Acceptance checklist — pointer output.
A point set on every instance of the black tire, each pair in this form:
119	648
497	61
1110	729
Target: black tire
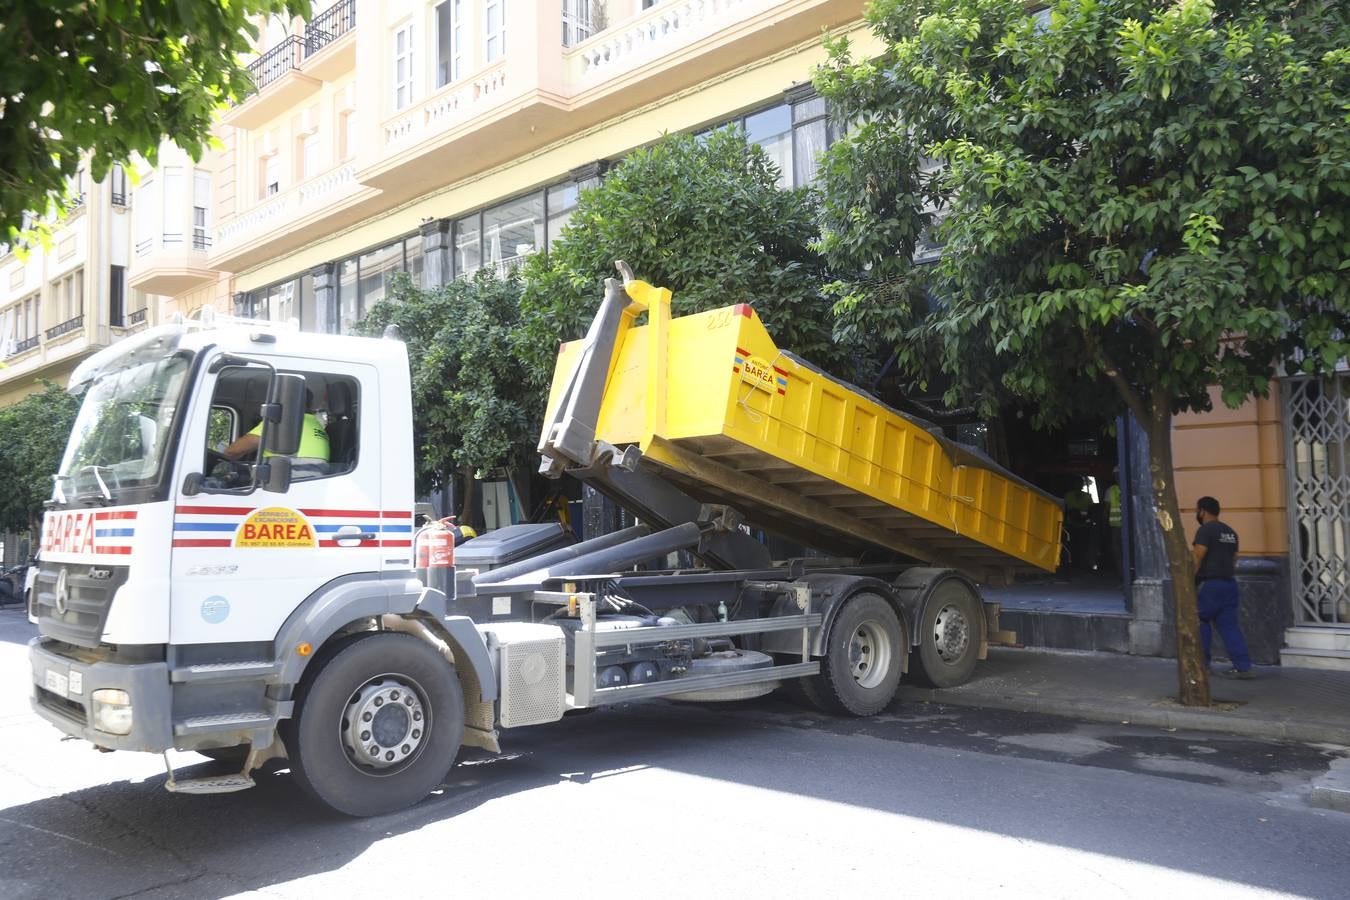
949	632
323	758
842	687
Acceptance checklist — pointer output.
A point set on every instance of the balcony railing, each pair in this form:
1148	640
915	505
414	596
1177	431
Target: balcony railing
136	317
275	63
65	327
27	343
201	242
119	198
329	25
143	247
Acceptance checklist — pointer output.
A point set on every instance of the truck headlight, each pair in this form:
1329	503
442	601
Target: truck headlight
112	711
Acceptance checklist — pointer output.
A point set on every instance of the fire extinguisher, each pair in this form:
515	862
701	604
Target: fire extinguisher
434	555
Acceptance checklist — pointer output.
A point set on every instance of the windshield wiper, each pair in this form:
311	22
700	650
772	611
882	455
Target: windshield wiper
102	486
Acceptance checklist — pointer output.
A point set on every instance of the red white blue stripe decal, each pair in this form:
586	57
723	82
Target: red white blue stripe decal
216	526
113	531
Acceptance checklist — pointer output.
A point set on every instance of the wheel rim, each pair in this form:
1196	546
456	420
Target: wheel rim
869	654
385	724
951	634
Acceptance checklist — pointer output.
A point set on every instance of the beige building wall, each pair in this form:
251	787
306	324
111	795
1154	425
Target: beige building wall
362	135
1237	457
61	302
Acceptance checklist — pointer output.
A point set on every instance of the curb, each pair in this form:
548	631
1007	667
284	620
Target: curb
1134	714
1332	790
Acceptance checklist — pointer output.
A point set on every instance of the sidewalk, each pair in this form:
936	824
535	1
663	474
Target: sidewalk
1280	703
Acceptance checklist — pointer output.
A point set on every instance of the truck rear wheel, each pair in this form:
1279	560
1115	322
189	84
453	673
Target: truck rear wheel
378	726
861	669
949	633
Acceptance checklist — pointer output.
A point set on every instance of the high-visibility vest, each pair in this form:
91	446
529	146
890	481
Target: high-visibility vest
1113	510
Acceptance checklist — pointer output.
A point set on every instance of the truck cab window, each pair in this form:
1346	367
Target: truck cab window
328	444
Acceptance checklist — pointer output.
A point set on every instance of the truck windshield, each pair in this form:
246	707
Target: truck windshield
123	431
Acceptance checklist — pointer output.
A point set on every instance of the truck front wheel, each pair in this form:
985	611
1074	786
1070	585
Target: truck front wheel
378	726
861	669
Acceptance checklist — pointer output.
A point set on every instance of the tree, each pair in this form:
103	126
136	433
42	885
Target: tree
704	216
472	410
34	433
1138	200
109	80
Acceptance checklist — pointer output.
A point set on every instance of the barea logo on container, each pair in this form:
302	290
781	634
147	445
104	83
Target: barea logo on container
275	526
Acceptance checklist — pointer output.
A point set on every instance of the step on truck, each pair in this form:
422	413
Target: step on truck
277	606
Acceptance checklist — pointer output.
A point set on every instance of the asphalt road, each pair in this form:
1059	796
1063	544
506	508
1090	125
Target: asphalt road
759	799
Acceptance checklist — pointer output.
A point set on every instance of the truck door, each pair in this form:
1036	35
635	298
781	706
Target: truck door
242	558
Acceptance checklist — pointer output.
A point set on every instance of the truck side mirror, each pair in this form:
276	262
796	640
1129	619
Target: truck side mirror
285	415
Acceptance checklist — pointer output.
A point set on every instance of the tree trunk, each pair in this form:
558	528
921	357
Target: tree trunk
1192	673
470	490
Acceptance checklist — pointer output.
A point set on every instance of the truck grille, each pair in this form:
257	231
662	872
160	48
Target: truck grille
89	593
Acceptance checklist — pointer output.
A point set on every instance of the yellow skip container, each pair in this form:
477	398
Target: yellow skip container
723	412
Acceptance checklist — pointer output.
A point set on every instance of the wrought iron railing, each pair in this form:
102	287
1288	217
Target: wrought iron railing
329	25
201	242
172	239
65	327
119	198
27	343
143	247
136	317
275	63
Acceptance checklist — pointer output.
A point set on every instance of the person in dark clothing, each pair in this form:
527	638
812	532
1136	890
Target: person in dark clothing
1215	548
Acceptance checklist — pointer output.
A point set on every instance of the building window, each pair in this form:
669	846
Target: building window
812	134
308	157
117	185
449	42
403	66
494	21
578	24
793	135
117	295
365	279
201	202
19	326
562	202
772	130
271	176
68	293
468	246
172	195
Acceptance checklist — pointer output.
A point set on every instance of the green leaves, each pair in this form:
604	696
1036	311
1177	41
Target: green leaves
472	405
1160	191
110	80
704	216
33	433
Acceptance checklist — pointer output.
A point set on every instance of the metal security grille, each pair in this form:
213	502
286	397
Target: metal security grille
1317	444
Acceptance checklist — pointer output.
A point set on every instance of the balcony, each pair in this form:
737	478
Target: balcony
278	85
65	327
546	89
330	42
296	68
135	317
24	345
171	265
289	220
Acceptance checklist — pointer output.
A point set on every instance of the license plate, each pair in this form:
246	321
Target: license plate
57	683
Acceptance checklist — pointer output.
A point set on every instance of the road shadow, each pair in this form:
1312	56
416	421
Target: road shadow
105	841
